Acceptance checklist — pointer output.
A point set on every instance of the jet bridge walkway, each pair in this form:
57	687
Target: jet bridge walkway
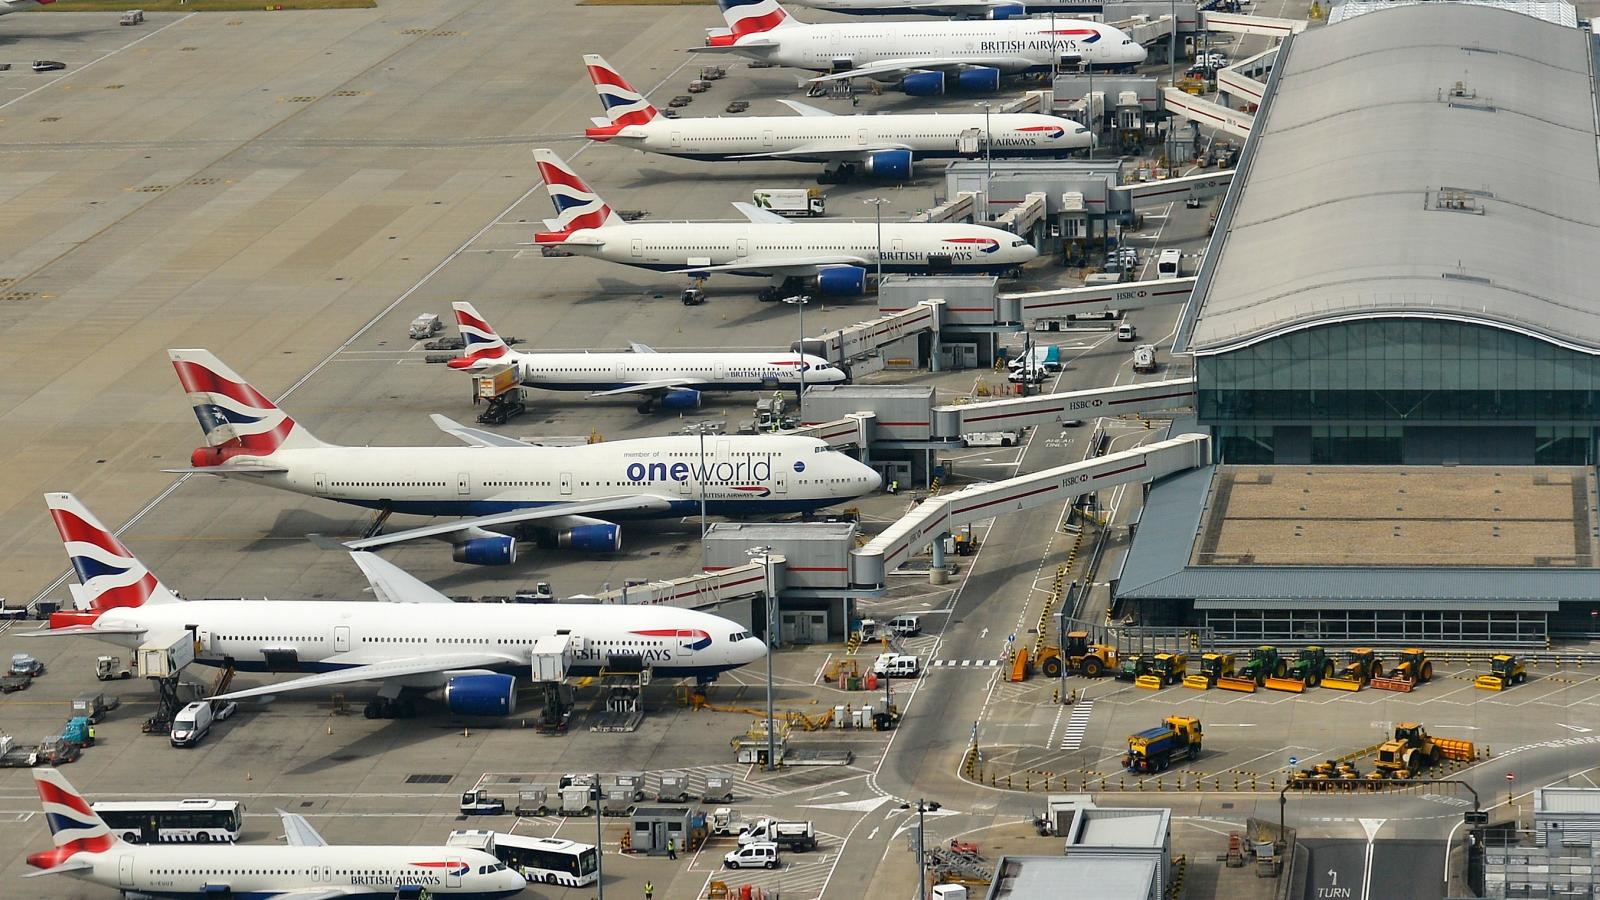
1005	415
1035	305
871	565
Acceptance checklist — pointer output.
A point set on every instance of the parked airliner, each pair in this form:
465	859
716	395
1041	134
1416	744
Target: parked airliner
836	254
918	55
970	9
305	867
884	146
413	639
511	489
674	379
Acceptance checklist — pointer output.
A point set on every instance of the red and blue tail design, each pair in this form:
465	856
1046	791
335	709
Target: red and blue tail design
624	106
236	418
695	638
74	825
483	345
108	572
1083	35
577	207
746	17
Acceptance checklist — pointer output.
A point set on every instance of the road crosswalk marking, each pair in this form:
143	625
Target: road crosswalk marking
1072	737
965	663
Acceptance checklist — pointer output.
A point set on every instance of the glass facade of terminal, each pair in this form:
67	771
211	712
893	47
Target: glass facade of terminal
1402	391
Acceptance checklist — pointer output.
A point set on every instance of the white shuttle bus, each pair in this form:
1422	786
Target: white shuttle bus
1169	264
173	821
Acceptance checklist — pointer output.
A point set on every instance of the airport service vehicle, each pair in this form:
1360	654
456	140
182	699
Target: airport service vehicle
763	855
1153	750
1144	358
895	665
923	58
26	665
791	202
798	837
992	438
881	146
132	17
414	640
539	860
424	326
835	254
1126	332
1505	670
725	820
48	65
192	723
305	866
1046	358
1264	663
479	803
1169	264
194	821
674	380
1413	750
1360	667
11	6
507	488
110	668
906	625
1213	666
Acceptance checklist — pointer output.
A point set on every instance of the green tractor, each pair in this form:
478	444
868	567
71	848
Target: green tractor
1264	663
1135	666
1311	666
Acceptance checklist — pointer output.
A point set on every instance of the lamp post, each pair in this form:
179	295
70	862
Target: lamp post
765	553
1172	45
599	842
1094	127
704	525
922	807
877	214
988	160
799	302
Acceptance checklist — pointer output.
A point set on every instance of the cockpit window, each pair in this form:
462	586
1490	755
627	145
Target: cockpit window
1018	243
738	636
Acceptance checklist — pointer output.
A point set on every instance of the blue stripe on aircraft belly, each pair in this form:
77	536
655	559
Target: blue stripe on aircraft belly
684	507
577	669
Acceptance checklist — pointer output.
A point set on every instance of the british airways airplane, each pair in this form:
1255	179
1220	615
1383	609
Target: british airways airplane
11	6
511	489
884	146
414	641
305	867
836	254
970	9
922	57
675	379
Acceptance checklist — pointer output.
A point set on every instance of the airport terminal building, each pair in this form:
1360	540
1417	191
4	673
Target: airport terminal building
1404	273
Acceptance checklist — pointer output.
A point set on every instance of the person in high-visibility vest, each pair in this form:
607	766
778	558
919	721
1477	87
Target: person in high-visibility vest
649	890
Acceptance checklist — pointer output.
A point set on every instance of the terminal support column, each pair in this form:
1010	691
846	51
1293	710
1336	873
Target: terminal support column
937	574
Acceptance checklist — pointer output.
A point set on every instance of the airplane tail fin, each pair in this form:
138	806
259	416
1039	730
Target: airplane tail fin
237	419
74	825
577	206
483	344
109	575
746	17
623	105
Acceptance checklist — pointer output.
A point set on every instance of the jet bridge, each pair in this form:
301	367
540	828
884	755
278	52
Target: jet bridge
1151	193
1207	113
1239	23
870	566
1025	215
699	591
1005	415
962	207
1247	78
1099	298
865	338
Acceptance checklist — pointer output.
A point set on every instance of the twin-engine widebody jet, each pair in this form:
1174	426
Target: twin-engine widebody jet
966	9
836	254
881	146
412	640
675	380
304	867
922	57
508	489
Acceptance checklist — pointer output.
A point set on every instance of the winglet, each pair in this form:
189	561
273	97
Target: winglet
297	832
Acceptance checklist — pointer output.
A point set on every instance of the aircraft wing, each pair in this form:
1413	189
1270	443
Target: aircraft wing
231	467
805	109
637	347
648	387
621	503
779	267
380	671
760	216
392	584
91	630
835	149
475	437
327	893
926	63
298	832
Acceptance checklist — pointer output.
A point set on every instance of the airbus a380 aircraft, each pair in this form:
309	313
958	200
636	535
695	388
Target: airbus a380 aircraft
979	9
413	639
836	254
305	867
884	146
674	379
918	55
512	489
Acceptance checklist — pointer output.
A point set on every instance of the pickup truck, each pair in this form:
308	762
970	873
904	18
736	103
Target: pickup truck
798	837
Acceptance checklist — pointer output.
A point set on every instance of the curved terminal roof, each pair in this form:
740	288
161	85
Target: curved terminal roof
1435	159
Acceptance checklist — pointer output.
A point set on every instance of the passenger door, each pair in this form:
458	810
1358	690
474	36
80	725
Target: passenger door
638	248
463	483
341	639
743	248
452	871
125	871
566	483
321	483
686	642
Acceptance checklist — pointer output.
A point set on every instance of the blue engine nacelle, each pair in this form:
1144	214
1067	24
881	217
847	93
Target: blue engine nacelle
979	80
599	538
1007	11
487	551
923	84
842	281
481	695
680	398
891	165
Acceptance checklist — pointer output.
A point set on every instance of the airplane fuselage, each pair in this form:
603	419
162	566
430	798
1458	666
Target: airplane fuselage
837	137
1012	47
697	371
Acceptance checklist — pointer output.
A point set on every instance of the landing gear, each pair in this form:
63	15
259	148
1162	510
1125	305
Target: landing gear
378	522
844	173
385	708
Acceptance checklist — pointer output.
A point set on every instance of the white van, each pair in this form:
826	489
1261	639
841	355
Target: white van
192	723
895	665
1126	332
763	855
906	625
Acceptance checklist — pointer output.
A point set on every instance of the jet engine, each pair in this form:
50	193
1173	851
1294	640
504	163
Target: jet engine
979	79
923	84
601	537
892	165
483	694
681	398
497	550
842	281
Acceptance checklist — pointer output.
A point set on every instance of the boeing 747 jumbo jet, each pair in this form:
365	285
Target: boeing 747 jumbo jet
304	867
836	254
511	489
673	379
412	640
883	146
918	55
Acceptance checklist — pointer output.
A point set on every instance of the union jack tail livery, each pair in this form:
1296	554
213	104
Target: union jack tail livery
237	419
108	572
624	106
746	17
73	823
577	207
483	345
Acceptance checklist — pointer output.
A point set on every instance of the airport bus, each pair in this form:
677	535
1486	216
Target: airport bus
173	821
1169	264
547	860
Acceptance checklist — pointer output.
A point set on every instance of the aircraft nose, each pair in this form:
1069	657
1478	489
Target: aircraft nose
874	480
1027	252
751	649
